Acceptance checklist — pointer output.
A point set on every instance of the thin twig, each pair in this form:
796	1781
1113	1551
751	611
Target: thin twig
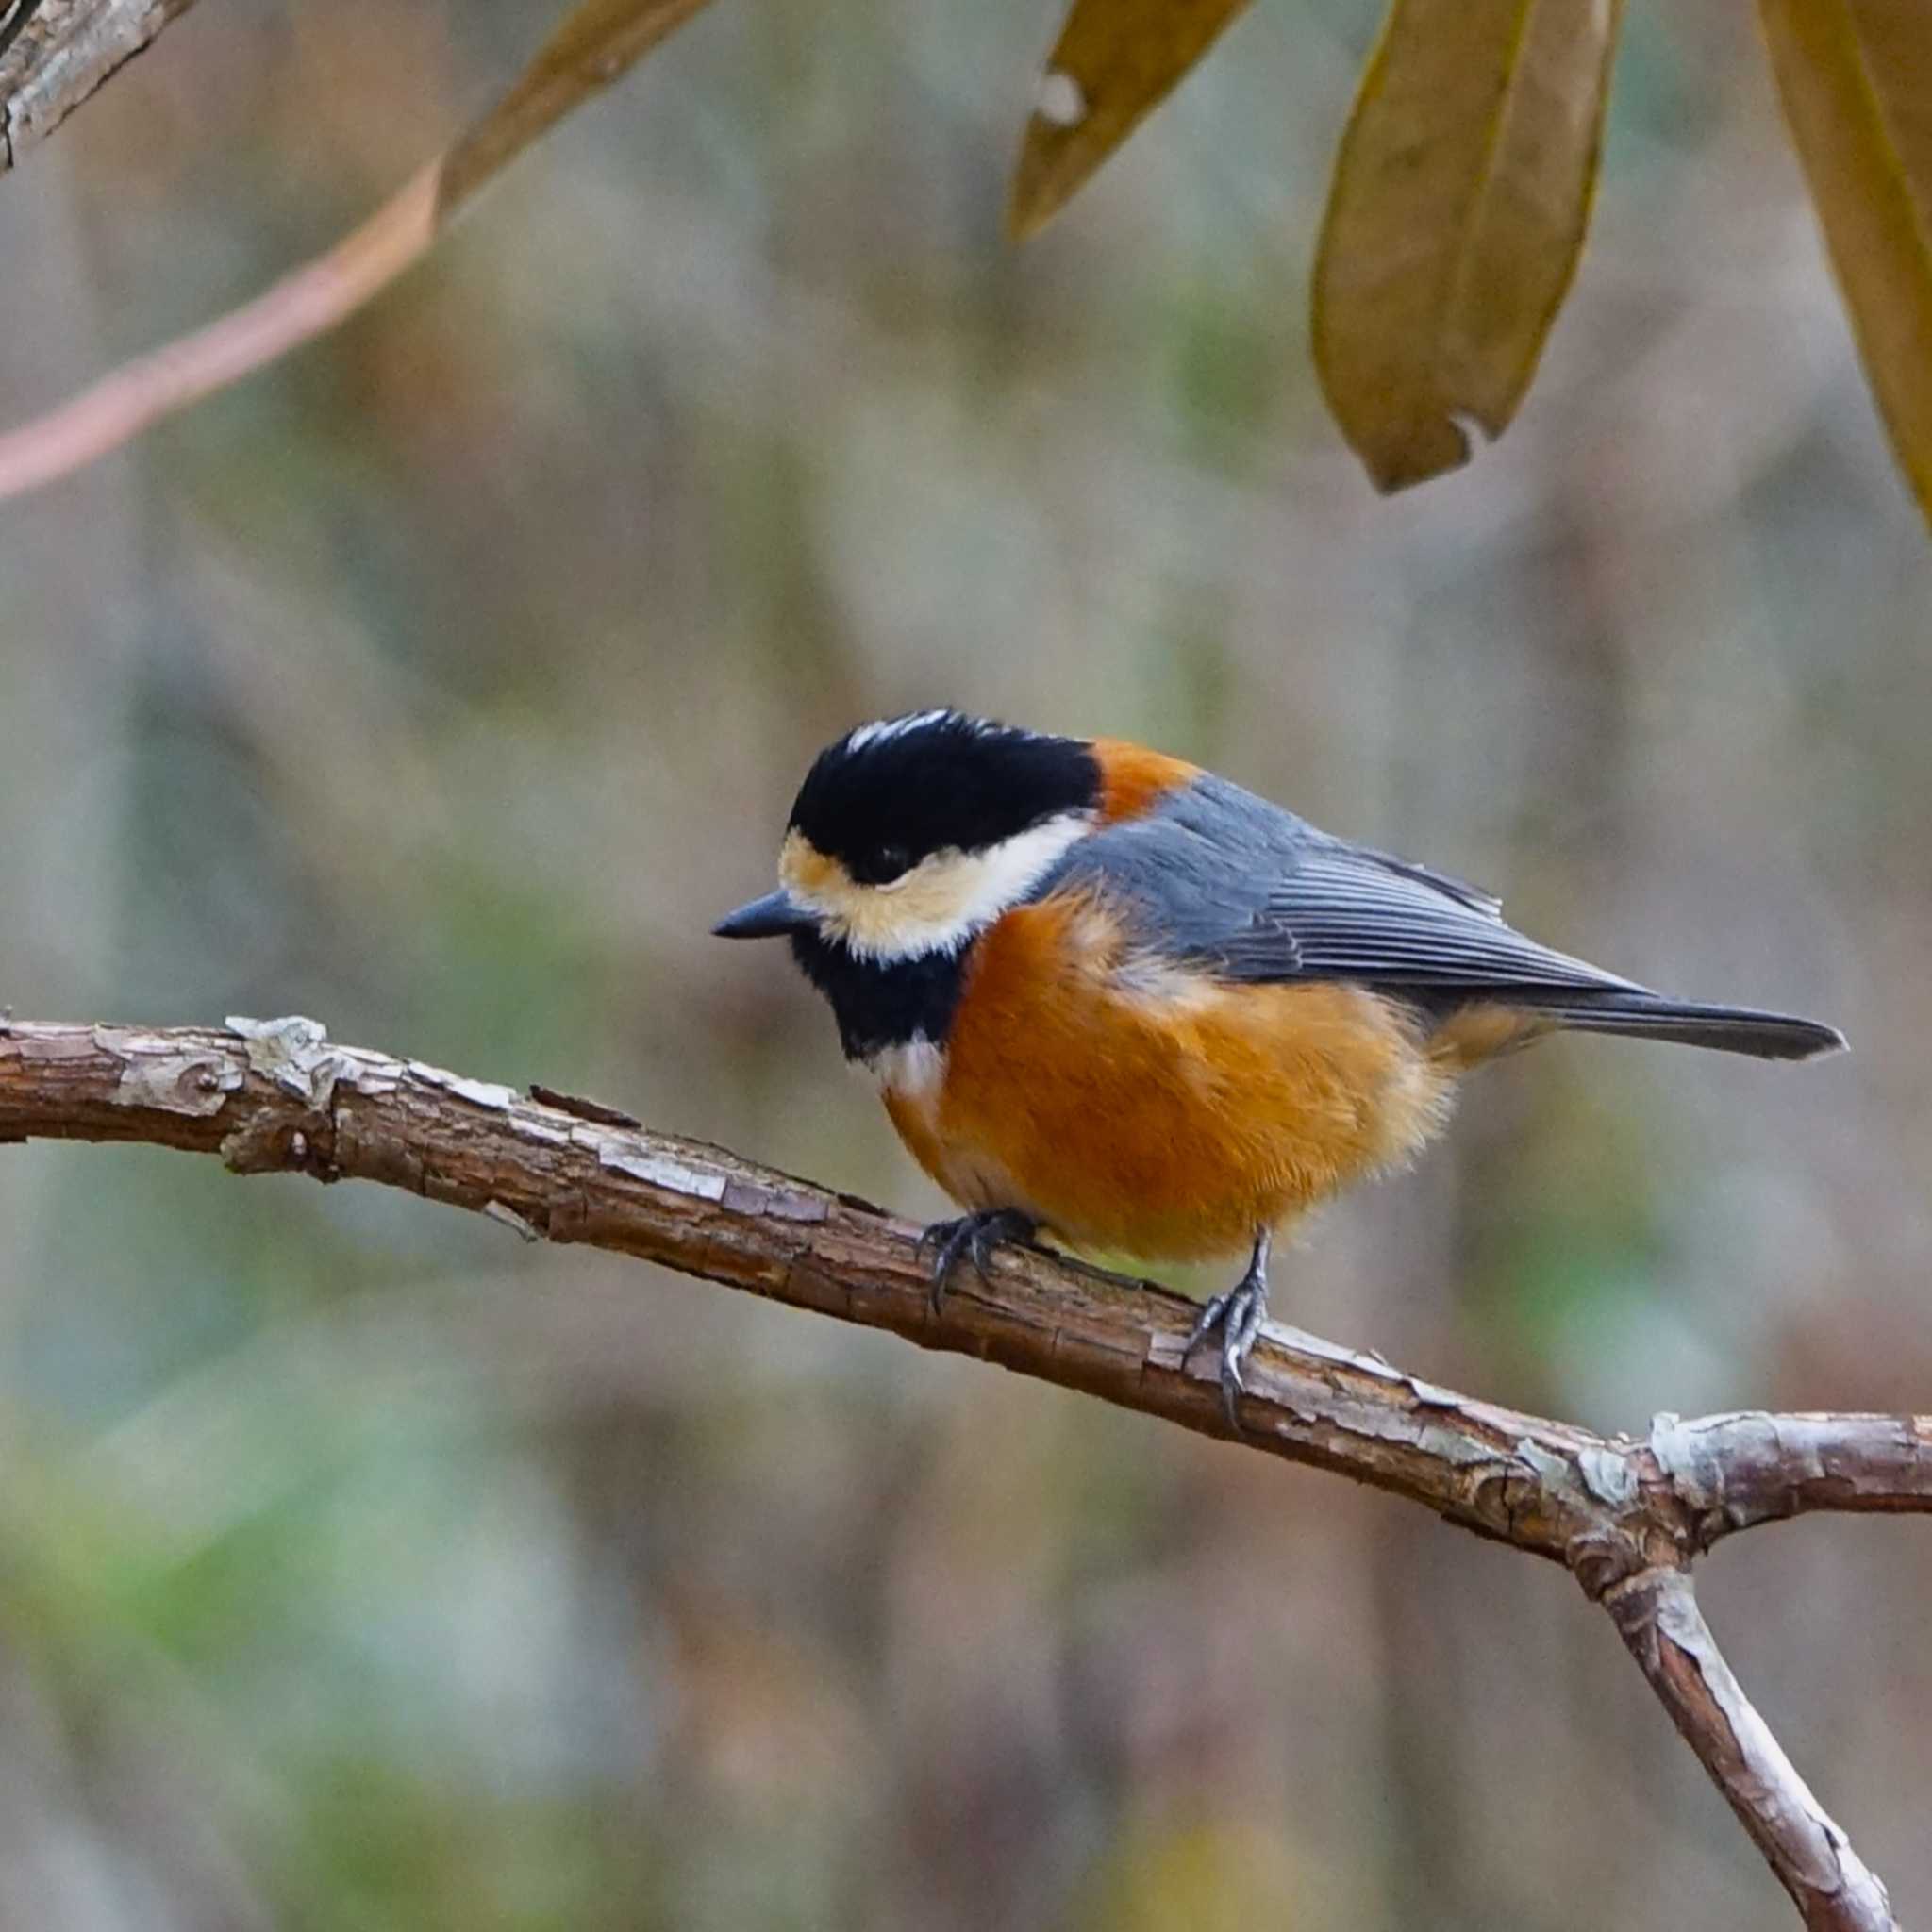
1624	1515
595	44
143	390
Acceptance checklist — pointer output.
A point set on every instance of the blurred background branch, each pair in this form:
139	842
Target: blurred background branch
275	1096
598	42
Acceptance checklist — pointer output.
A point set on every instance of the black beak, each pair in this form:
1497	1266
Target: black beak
769	918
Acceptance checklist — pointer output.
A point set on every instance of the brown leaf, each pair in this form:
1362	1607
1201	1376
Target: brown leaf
1112	64
1857	80
598	42
1458	211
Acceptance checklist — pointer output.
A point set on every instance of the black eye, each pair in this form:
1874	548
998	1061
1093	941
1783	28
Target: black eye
882	865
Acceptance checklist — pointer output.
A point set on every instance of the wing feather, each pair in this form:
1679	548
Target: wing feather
1220	877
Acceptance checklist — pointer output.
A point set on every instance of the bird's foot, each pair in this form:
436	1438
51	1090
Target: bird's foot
973	1235
1237	1312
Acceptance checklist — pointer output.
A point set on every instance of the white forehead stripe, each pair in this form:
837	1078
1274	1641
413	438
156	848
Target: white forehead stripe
884	728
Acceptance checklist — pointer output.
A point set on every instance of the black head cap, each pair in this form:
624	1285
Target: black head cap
889	794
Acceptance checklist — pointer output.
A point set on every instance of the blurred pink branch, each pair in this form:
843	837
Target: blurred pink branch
596	44
1625	1516
302	304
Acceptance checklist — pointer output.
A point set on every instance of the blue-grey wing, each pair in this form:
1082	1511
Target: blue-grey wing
1222	878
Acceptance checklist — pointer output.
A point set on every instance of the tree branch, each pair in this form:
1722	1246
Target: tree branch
1657	1615
1625	1516
54	53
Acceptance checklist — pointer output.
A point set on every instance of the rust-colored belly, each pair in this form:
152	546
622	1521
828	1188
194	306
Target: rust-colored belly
1133	1105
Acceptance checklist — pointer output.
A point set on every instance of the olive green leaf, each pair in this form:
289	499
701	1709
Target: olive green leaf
1113	62
1455	221
1857	80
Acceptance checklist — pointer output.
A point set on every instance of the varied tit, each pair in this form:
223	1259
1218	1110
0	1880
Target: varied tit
1110	996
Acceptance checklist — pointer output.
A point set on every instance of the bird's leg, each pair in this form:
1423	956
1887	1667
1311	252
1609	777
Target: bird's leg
1237	1312
975	1235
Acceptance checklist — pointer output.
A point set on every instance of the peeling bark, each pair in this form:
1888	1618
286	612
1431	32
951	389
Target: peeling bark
54	53
1659	1619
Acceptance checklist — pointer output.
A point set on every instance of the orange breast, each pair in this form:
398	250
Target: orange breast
1136	1107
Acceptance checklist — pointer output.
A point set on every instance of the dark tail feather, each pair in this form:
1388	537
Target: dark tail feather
1726	1029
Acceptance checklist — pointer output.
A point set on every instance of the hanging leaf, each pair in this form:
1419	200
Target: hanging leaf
1458	211
1857	80
1114	62
598	42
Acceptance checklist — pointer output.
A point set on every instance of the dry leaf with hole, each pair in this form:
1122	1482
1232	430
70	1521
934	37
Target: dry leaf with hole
598	42
1113	62
1857	80
1455	221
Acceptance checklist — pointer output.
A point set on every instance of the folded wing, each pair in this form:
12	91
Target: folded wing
1223	879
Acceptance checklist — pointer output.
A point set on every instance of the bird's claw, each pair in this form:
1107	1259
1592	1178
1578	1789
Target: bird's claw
1237	1312
973	1235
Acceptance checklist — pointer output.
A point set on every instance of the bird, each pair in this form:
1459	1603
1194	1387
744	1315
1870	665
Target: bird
1114	999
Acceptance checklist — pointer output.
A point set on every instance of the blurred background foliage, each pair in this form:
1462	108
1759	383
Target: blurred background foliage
363	1569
